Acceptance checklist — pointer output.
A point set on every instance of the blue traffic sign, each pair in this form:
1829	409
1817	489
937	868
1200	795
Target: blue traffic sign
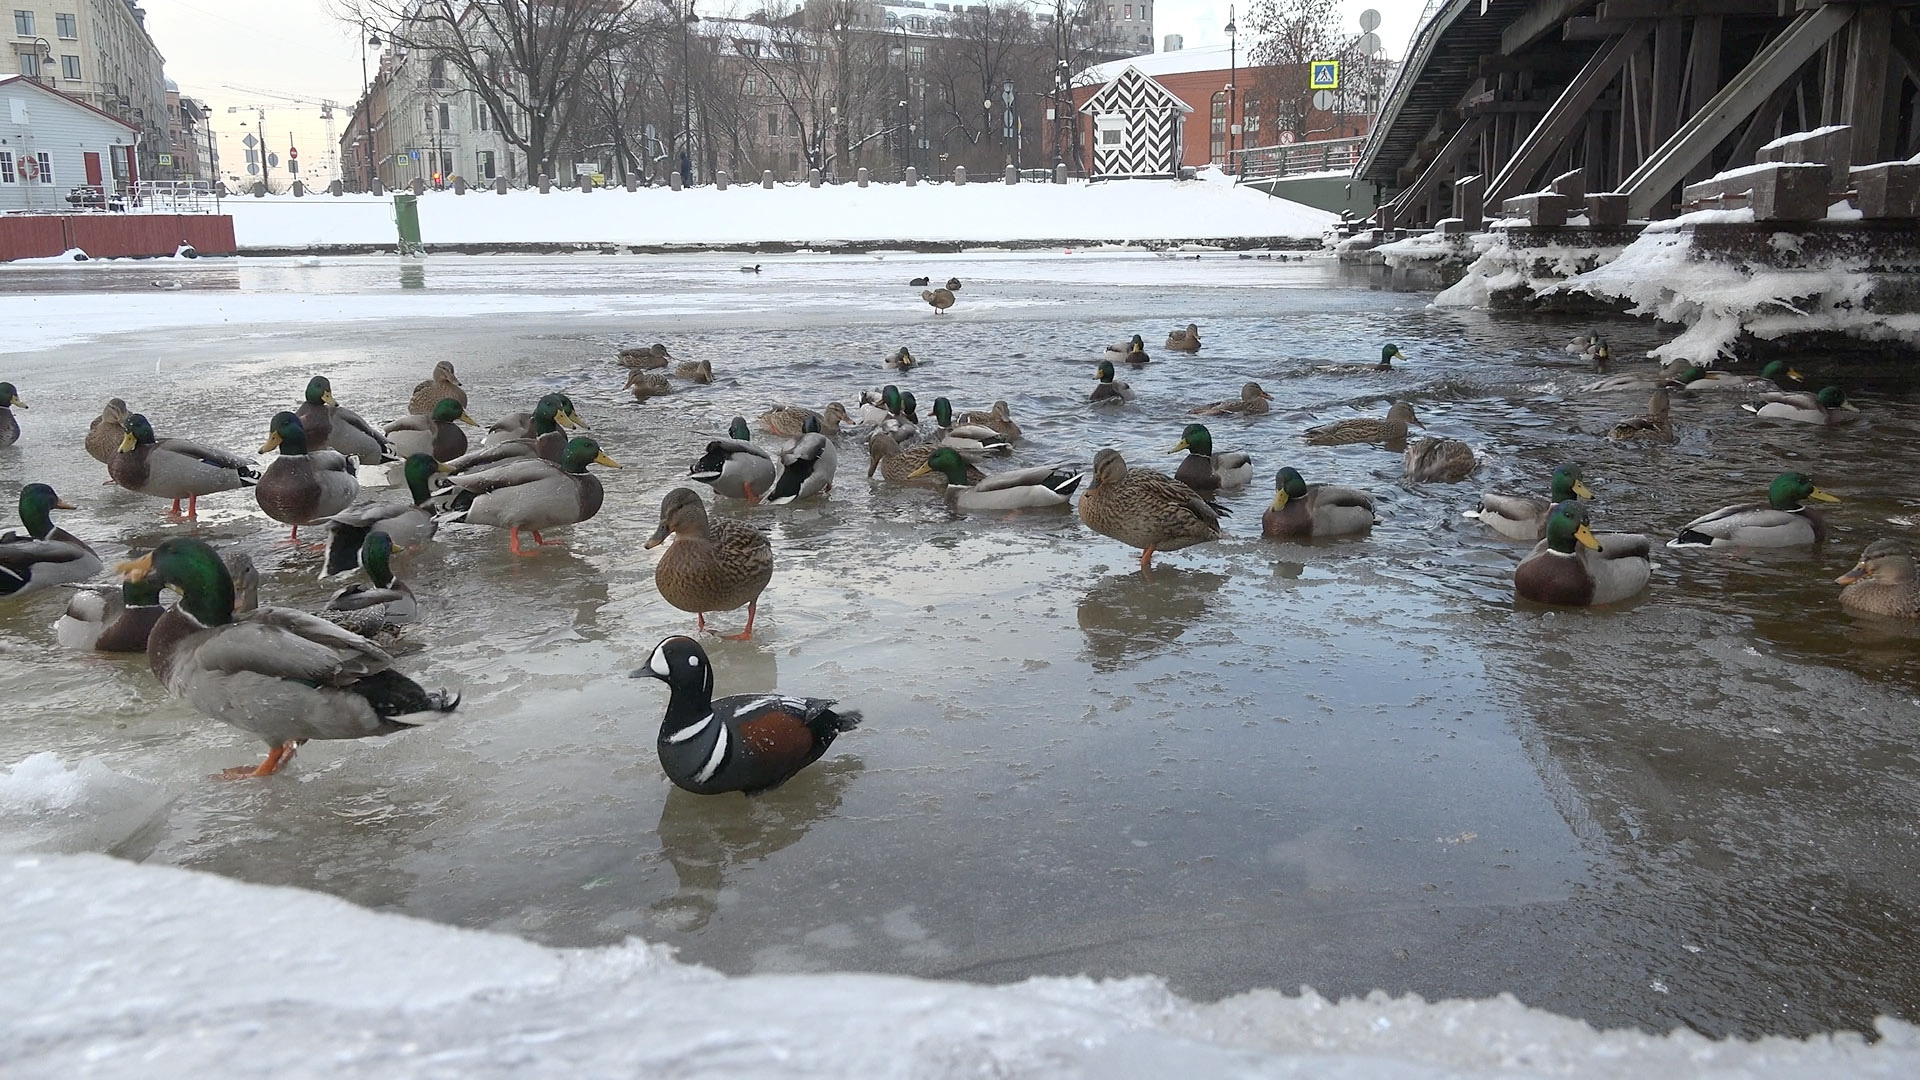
1324	75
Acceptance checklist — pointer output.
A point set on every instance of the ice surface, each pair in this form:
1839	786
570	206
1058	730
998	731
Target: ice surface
47	805
114	969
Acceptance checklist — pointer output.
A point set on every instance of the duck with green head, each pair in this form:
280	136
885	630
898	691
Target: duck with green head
115	619
1882	583
902	466
1784	520
1829	407
332	426
1524	517
1109	391
1042	487
1301	509
9	425
552	413
175	469
1132	351
1205	471
546	437
879	406
45	555
1770	379
533	493
972	440
1572	567
281	674
437	433
1145	509
302	486
379	605
734	466
409	524
901	358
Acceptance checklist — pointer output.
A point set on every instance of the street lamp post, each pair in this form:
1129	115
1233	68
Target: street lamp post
686	95
1233	76
45	61
372	40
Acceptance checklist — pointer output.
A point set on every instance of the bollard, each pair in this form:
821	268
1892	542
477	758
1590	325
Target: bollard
913	176
585	183
960	176
766	179
419	186
860	177
1060	173
459	185
546	183
499	185
1013	176
259	189
378	189
673	180
720	180
299	189
632	184
813	178
336	189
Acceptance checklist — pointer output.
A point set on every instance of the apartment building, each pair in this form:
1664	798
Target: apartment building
98	51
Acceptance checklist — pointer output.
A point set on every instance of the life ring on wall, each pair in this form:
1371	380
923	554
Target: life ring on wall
29	167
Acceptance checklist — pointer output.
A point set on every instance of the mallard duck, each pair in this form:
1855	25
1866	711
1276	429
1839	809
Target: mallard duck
437	433
1132	351
302	487
898	466
1586	346
1767	382
106	431
1303	509
750	743
790	421
1252	402
919	282
1668	375
174	468
1882	582
382	602
1016	489
941	299
1829	407
734	467
284	675
878	406
1145	509
1572	567
1655	426
1109	391
330	426
43	556
900	359
550	414
646	385
1187	340
546	439
533	494
970	439
699	371
715	564
645	357
115	619
1524	517
429	393
1366	429
409	524
806	467
999	418
1440	460
1784	520
953	284
9	427
1205	471
1388	354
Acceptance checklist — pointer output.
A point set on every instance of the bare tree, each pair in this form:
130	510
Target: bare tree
1292	34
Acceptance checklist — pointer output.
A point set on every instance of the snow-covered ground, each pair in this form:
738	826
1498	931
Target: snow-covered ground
983	212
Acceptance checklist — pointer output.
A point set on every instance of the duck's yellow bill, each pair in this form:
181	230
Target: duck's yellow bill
1585	536
1177	447
1582	490
327	396
128	442
62	504
465	419
273	440
1279	500
135	569
603	459
923	470
1820	496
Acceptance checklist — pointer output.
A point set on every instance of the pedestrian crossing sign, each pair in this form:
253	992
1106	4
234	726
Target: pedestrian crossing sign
1324	75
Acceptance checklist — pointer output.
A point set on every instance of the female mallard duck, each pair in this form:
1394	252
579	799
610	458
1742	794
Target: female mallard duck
734	467
806	467
999	418
1524	517
1205	471
284	675
901	359
1366	429
715	564
1668	375
437	433
116	619
533	493
382	602
1574	568
899	466
645	357
330	426
1767	382
9	427
106	431
940	299
428	393
408	524
550	414
1145	509
1388	354
1784	520
1303	509
1829	407
646	385
1655	426
1882	582
1252	402
970	439
44	555
174	468
790	421
698	371
302	487
1015	489
1440	460
953	284
1108	391
1132	351
1187	340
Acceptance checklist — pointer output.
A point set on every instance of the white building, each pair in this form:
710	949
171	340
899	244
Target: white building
52	144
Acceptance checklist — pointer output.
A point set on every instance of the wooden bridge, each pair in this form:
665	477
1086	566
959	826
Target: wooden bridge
1638	99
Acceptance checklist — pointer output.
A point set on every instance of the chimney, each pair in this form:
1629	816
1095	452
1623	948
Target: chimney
1172	43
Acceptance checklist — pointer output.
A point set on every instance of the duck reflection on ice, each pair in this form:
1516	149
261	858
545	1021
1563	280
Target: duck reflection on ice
710	839
1128	618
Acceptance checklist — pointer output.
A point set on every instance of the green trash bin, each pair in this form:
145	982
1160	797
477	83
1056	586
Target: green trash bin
406	216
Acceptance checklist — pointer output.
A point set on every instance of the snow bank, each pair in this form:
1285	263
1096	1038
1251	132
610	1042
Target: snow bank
114	969
979	212
45	805
1503	268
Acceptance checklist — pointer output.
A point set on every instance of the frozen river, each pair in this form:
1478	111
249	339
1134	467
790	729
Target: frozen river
1350	765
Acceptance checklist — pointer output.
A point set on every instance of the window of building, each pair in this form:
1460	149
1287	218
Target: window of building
66	25
23	23
1252	115
1129	11
484	165
793	162
773	125
6	167
917	56
70	68
1217	129
446	117
1110	12
748	48
46	167
749	86
1143	12
437	73
793	126
30	63
426	113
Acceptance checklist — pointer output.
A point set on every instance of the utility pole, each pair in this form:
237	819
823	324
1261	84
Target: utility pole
266	175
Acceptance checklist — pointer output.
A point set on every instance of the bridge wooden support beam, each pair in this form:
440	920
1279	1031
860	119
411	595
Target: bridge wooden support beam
1447	160
1863	101
1566	113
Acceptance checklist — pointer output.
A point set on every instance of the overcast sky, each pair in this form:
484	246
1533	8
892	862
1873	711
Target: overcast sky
294	47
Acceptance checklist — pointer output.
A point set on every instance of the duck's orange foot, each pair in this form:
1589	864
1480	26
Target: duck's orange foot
276	757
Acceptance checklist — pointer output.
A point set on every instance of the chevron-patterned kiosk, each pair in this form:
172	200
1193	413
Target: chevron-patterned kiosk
1136	128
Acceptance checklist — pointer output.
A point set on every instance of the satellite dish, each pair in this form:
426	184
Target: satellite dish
1368	44
1370	20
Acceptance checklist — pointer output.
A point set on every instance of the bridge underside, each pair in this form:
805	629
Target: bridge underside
1638	97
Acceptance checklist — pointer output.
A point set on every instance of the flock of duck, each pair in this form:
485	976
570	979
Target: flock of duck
288	675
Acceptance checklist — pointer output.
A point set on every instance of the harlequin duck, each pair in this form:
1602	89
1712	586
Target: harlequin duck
748	743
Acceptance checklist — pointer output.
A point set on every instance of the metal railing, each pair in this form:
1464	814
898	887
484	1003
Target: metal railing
1273	162
145	197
